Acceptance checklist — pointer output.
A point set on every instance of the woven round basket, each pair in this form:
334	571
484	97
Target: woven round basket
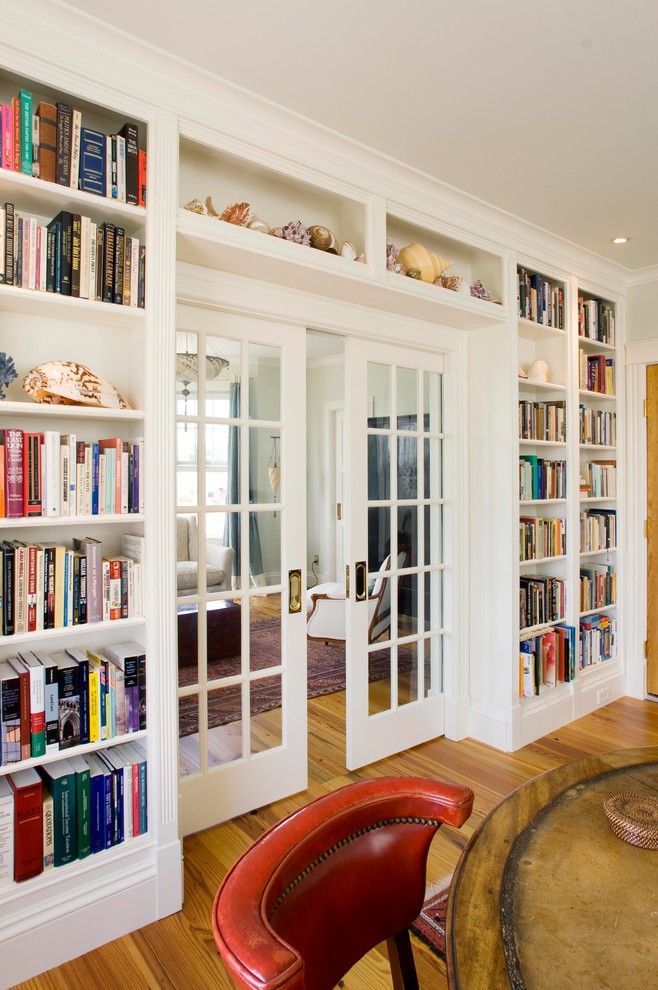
634	817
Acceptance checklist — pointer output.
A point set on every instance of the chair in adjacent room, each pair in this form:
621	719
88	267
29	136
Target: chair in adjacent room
326	605
328	883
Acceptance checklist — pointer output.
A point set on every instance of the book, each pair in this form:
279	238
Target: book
32	504
47	115
48	827
6	834
16	111
105	269
93	551
37	704
130	133
60	781
140	817
26	131
119	253
120	154
68	690
23	675
50	700
117	796
14	467
82	804
127	657
51	479
64	258
9	242
141	178
92	161
7	136
76	127
28	823
82	660
36	141
97	815
10	715
76	232
8	610
123	771
64	140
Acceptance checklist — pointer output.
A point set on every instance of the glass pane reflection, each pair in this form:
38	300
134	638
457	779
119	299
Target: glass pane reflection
264	382
379	681
408	687
379	536
407	467
432	385
217	463
224	725
187	491
407	399
379	395
266	713
379	468
188	732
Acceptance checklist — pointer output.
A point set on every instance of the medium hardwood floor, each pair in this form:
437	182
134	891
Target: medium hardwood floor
179	953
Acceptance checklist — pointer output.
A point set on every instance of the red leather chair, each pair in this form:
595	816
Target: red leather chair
321	888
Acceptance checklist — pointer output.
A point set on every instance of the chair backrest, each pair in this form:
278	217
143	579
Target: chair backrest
381	616
187	538
322	887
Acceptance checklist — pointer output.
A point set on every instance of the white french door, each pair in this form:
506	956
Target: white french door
395	549
241	504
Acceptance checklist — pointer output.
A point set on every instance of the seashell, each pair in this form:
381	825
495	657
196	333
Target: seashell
522	373
323	239
538	371
238	214
195	206
277	232
449	282
67	383
361	258
257	224
415	257
348	251
210	208
413	273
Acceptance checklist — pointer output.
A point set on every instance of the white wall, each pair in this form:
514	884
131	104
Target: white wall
642	312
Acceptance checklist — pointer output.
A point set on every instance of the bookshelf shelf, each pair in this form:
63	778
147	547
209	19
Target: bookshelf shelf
80	413
588	393
73	751
70	632
533	561
541	501
523	442
598	611
44	522
531	330
35	196
526	385
597	553
97	315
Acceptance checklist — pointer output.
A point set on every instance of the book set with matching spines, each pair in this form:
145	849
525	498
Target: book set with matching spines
51	586
50	141
69	698
71	808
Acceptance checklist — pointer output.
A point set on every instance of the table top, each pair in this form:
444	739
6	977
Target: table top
545	895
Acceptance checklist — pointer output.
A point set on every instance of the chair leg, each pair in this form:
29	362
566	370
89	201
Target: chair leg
401	959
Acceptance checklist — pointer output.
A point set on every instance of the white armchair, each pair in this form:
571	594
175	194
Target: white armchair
326	606
219	560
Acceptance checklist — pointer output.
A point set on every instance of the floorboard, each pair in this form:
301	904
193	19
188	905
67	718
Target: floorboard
178	953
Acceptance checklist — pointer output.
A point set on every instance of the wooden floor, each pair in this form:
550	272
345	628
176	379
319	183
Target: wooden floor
179	953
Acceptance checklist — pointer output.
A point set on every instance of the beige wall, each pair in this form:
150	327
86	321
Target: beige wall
642	312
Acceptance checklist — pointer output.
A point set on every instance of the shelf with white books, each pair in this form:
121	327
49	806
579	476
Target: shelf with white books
115	625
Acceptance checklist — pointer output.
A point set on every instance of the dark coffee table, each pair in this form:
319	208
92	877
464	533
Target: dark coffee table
223	622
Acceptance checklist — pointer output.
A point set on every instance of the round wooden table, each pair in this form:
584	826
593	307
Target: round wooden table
546	896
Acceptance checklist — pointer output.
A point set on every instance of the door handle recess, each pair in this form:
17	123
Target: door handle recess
360	581
294	591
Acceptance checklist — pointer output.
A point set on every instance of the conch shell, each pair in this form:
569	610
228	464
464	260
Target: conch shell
238	213
416	258
65	383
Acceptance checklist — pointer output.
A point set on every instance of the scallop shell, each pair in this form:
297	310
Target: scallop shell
238	214
348	251
66	383
416	258
323	239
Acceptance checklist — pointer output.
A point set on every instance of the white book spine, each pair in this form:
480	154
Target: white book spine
121	168
85	235
76	126
40	578
51	473
93	247
32	257
125	480
108	167
65	474
43	262
73	478
102	482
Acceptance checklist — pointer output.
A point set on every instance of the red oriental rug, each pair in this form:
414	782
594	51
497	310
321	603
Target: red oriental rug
325	675
430	925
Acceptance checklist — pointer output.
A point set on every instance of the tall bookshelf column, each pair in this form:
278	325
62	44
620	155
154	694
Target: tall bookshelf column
161	564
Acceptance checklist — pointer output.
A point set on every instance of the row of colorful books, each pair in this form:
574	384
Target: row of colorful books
597	373
541	478
71	255
542	421
56	701
51	586
598	587
48	141
600	479
597	427
598	639
598	530
539	299
56	474
596	320
70	809
542	599
541	537
547	658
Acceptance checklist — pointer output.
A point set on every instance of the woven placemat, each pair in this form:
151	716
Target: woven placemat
634	818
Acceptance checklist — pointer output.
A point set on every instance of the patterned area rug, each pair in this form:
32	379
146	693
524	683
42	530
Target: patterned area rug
325	674
430	926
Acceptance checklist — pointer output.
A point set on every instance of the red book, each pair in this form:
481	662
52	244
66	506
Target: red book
28	823
16	105
115	588
141	178
31	474
31	588
14	474
3	507
25	691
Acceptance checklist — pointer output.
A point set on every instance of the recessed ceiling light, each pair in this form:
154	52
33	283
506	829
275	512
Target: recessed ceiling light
620	240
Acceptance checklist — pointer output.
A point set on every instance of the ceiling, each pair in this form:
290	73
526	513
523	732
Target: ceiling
543	109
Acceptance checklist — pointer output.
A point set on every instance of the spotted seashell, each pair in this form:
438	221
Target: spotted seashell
348	251
323	239
277	232
257	224
67	383
195	206
238	214
413	273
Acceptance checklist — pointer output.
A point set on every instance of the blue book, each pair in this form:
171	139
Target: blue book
97	802
83	674
92	161
95	468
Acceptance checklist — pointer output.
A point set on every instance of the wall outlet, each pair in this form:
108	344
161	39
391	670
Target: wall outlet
603	696
316	559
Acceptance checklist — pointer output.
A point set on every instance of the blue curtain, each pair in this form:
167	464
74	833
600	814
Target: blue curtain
232	531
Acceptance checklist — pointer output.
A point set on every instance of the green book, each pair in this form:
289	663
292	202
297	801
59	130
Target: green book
26	131
61	782
82	804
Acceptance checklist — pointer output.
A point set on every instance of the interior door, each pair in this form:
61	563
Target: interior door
241	536
652	529
395	538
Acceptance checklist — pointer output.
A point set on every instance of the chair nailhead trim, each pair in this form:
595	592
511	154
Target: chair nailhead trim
431	822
